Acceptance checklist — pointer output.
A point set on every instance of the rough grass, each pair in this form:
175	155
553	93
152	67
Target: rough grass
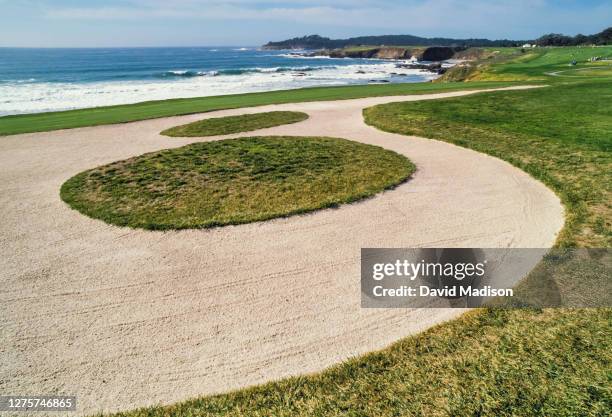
234	181
489	363
235	124
561	135
42	122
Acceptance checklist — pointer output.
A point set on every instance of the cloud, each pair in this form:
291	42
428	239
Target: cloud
238	9
471	18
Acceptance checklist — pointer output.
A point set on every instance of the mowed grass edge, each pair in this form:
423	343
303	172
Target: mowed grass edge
235	124
234	181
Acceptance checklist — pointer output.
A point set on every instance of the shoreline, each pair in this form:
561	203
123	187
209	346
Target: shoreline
209	74
69	119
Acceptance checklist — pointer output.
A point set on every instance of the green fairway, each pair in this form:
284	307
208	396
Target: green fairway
235	124
539	61
590	72
515	64
40	122
234	181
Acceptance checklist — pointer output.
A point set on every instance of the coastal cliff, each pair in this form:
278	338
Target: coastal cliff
368	52
432	53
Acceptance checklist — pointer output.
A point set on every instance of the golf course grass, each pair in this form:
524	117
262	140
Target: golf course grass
524	65
42	122
235	124
561	135
489	362
234	181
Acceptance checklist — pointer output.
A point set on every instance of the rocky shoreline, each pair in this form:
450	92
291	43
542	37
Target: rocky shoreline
432	53
435	67
430	59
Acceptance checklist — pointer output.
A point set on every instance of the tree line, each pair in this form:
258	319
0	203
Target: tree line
556	39
552	39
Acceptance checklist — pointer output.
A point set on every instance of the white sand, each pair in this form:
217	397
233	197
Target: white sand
125	318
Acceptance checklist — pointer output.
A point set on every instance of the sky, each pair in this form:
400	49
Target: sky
117	23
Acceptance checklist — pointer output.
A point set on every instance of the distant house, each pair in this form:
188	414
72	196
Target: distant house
528	45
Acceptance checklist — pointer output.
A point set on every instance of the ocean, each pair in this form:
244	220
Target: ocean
39	80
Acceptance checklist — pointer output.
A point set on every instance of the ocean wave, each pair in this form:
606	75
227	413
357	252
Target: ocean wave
297	55
179	73
261	70
28	80
240	71
289	69
188	73
50	96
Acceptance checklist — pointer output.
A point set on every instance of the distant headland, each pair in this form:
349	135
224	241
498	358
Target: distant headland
552	39
320	42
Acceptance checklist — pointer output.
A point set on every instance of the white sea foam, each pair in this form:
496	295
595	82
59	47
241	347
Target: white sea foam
273	69
31	97
302	56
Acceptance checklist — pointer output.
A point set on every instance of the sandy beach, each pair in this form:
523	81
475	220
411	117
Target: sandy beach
124	318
